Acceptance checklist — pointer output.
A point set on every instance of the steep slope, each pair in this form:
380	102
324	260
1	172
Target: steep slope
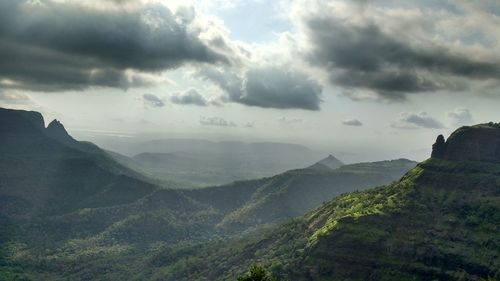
258	203
45	170
59	200
439	222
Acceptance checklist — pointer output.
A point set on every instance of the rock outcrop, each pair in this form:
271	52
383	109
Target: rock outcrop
439	147
20	122
57	131
475	143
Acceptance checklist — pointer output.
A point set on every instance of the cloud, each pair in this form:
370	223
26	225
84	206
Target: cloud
410	120
217	122
289	121
277	87
189	97
152	100
352	122
460	116
249	125
392	51
50	45
14	98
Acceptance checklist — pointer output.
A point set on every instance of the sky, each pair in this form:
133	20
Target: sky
364	80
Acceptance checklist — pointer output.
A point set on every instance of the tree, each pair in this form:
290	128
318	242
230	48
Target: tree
256	273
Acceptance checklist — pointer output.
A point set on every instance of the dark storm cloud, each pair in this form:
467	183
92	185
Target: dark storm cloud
361	56
279	88
152	100
267	87
56	46
190	97
410	120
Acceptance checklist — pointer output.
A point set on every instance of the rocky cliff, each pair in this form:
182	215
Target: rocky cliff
475	143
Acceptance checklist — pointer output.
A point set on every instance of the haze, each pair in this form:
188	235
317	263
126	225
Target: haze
364	80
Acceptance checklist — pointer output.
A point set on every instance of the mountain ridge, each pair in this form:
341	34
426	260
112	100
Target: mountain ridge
100	222
440	221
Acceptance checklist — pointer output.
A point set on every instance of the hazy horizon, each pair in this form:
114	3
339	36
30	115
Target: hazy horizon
364	80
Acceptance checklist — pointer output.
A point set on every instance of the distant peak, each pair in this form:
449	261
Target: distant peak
330	162
56	130
55	123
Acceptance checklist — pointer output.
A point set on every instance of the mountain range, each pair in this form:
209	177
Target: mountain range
70	211
440	221
204	163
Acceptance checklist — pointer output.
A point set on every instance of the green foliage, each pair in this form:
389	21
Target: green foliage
67	214
256	273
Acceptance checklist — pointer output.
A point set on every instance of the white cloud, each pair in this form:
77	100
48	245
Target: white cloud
217	122
189	97
460	116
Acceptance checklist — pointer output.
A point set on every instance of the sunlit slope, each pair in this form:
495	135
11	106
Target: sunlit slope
439	222
254	204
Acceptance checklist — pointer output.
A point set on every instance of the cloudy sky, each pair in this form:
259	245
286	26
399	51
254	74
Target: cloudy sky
365	80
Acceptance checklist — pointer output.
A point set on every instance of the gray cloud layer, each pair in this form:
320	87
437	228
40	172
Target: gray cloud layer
152	100
409	120
267	87
460	116
56	46
361	56
352	122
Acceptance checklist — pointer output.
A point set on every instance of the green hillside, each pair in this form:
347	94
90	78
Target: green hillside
439	222
70	212
297	192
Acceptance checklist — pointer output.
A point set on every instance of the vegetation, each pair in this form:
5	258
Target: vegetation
69	211
71	214
256	273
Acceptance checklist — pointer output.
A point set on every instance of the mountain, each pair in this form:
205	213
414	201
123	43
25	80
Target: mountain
60	198
205	163
438	222
328	163
273	200
69	211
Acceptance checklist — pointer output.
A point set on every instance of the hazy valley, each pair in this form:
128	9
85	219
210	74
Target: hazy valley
69	210
249	140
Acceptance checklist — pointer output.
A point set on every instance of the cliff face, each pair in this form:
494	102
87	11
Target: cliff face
475	143
20	122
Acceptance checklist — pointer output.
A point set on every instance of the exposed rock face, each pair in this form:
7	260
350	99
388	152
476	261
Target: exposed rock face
439	147
57	131
20	122
475	143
